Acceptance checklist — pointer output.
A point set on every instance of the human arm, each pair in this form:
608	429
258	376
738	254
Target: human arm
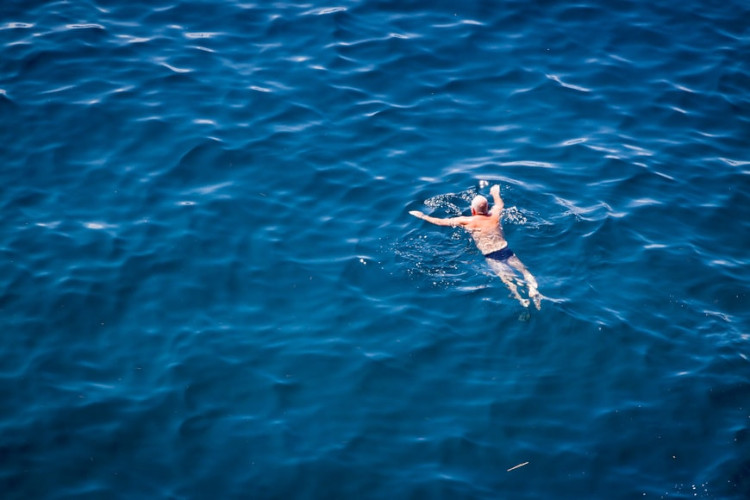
497	207
452	221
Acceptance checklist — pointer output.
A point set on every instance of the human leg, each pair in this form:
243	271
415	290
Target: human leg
506	274
531	283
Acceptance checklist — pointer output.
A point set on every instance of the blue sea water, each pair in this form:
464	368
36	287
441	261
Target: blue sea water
211	286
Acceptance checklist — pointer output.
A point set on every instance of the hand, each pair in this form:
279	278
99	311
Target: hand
495	190
417	214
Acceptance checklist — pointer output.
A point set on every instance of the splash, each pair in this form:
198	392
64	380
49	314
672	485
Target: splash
453	203
456	204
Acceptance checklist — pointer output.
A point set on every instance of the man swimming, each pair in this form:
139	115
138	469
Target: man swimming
484	226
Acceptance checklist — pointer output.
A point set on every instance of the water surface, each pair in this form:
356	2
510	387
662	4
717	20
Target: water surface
211	285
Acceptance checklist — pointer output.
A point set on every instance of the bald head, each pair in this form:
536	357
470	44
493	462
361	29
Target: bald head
479	205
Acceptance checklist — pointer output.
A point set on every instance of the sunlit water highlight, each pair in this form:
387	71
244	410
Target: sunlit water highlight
211	286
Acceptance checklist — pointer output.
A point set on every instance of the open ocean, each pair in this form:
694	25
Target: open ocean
211	286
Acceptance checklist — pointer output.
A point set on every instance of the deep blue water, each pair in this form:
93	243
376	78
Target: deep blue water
211	286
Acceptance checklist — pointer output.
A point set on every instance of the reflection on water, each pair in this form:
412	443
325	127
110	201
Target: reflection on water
209	264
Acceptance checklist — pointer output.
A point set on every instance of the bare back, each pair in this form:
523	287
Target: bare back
486	231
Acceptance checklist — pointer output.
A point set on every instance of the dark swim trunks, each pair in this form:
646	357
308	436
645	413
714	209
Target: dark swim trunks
501	255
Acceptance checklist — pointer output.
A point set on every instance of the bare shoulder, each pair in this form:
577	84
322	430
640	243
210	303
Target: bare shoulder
463	220
484	220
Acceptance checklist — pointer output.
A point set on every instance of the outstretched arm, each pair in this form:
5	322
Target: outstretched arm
452	221
498	202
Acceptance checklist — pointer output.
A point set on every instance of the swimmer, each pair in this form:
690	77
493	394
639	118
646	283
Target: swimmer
484	226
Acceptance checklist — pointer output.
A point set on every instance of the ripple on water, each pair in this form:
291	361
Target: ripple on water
208	262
